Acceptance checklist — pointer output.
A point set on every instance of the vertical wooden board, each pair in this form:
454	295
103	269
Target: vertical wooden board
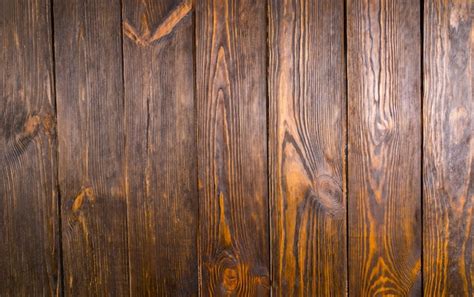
384	169
307	144
29	257
448	179
91	147
161	147
231	119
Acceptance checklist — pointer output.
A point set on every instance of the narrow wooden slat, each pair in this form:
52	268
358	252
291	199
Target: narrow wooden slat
91	147
307	144
29	257
231	118
161	147
448	179
384	169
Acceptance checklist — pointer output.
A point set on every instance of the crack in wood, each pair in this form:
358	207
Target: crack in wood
164	29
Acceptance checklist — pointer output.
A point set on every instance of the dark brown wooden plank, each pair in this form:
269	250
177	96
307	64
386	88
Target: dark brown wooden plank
384	169
448	179
161	147
307	143
231	119
29	247
91	147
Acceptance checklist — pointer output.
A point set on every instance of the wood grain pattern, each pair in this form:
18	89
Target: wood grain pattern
91	147
161	148
307	144
448	179
232	164
29	254
384	174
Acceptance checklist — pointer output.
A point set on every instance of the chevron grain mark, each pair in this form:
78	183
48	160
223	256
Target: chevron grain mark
164	29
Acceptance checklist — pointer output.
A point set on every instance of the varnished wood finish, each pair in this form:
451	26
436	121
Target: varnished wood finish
307	142
384	174
29	254
161	182
448	180
90	104
232	155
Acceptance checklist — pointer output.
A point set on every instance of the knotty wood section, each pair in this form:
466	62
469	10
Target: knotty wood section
231	118
29	254
91	147
384	177
448	181
161	182
307	143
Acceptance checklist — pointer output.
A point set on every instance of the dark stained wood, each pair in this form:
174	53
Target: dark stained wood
91	147
161	147
307	144
448	180
29	247
232	156
384	174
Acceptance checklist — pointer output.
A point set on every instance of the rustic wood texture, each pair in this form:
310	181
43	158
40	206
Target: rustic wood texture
232	141
29	254
224	148
91	138
161	147
307	143
384	174
448	180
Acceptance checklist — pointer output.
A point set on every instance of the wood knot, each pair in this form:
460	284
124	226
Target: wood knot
32	124
327	194
164	29
49	124
230	275
85	193
230	279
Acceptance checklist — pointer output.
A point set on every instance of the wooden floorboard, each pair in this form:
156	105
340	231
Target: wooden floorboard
384	161
232	147
88	55
29	247
161	182
307	110
448	180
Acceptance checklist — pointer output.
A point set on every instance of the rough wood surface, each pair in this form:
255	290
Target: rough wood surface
307	143
29	253
232	156
384	162
448	180
161	181
90	104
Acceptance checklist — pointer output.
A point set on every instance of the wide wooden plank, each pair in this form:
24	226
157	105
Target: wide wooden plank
29	247
90	103
384	162
448	180
231	119
307	147
161	147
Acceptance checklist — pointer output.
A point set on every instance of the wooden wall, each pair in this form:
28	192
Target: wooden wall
236	148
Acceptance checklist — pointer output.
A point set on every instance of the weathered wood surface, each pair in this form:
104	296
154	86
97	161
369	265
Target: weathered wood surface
91	136
207	147
384	161
29	247
307	144
448	180
161	181
232	142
